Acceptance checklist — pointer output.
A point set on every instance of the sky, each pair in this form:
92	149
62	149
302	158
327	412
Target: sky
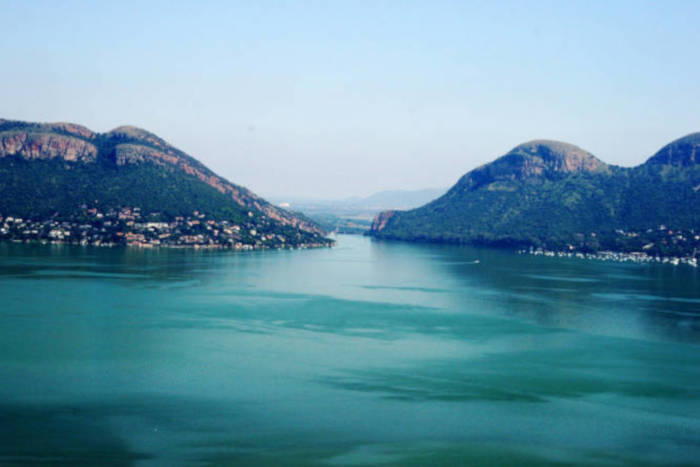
329	99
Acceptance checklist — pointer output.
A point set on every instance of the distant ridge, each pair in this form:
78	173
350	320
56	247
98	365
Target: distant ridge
354	215
550	194
386	199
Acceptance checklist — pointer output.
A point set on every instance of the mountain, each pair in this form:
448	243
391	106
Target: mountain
396	199
354	215
374	203
65	172
556	195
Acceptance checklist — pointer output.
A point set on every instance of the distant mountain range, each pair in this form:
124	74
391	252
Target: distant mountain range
396	199
71	175
382	200
549	194
354	214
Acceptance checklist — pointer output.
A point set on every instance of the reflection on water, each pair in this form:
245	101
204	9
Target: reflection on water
370	353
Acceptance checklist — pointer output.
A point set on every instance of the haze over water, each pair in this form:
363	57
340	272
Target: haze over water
369	353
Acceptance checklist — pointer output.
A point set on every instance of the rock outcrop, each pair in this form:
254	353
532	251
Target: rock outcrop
381	220
32	145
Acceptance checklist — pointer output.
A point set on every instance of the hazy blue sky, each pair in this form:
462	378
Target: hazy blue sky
334	98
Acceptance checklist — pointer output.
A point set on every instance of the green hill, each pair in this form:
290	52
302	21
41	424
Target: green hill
61	171
554	195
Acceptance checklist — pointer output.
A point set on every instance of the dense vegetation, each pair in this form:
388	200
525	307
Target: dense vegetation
28	186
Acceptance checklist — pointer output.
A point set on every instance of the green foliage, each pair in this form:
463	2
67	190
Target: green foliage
42	188
582	210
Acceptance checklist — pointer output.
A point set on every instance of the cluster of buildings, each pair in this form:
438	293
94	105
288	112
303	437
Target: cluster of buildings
660	245
634	257
128	226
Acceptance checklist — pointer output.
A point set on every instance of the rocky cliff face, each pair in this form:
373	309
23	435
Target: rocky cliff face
541	156
381	220
534	162
32	145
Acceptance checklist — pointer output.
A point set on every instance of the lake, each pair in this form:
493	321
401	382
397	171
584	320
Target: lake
369	353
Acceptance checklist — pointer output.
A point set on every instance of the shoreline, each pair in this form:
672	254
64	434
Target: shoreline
615	256
150	246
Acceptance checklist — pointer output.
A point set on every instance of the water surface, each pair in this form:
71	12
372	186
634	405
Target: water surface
370	353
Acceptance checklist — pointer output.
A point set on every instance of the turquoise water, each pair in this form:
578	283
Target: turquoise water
369	353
